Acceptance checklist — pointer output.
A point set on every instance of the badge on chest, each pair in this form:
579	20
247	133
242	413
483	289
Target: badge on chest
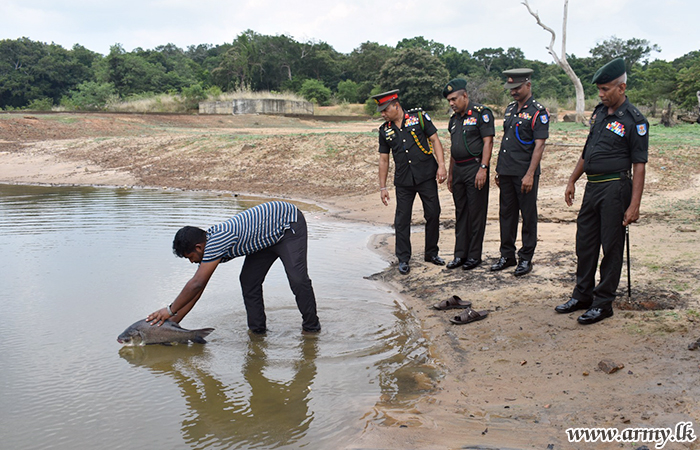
617	128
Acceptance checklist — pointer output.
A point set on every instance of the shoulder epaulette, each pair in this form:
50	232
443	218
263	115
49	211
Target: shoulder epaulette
415	110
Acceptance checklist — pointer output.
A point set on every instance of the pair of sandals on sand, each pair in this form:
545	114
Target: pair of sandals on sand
467	316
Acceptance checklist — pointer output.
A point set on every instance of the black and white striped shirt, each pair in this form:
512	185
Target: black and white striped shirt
249	231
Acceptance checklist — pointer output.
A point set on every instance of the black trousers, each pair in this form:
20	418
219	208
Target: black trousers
471	207
292	250
599	224
513	204
405	195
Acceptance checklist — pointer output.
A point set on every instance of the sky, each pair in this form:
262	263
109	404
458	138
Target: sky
345	24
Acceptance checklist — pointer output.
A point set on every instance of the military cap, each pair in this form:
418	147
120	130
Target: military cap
457	84
516	77
609	72
385	98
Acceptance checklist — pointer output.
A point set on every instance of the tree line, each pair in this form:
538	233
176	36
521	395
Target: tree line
38	75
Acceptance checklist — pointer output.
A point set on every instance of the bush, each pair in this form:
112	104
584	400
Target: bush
192	95
40	104
90	96
315	91
348	91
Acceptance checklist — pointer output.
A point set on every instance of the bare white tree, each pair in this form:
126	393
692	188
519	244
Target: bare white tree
561	60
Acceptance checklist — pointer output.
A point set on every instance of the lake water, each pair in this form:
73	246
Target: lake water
80	264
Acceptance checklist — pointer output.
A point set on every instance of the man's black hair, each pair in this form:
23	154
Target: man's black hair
186	239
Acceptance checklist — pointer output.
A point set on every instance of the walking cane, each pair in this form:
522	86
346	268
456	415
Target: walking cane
629	278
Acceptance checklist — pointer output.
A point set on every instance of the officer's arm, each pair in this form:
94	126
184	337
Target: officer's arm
632	213
440	155
571	185
383	172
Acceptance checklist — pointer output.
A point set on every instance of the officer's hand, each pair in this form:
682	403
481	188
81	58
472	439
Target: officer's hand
384	195
498	182
441	174
631	215
449	182
569	194
481	179
526	184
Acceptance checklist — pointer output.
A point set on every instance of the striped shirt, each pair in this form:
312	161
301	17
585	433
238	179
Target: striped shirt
249	231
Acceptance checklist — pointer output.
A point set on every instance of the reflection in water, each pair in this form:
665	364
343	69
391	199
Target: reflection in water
265	413
86	254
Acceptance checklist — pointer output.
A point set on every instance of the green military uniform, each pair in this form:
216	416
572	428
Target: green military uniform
615	142
467	133
521	128
415	169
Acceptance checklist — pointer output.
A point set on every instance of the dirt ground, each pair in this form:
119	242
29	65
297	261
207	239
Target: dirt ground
517	379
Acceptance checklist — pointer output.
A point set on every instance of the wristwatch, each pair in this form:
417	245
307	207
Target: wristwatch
484	166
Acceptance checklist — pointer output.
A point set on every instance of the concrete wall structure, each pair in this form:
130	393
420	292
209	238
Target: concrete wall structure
257	106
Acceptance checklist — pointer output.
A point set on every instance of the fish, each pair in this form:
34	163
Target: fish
143	333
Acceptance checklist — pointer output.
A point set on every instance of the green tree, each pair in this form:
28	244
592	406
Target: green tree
655	83
315	91
632	50
32	70
418	75
90	96
688	82
347	91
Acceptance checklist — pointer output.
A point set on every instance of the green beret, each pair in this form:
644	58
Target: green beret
457	84
516	77
609	72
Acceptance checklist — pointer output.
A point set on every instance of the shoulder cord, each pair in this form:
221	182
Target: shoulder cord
415	137
517	133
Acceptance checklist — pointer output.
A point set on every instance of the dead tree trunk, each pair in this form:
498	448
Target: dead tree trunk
667	116
561	60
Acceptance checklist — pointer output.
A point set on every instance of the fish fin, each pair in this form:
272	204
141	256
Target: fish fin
198	340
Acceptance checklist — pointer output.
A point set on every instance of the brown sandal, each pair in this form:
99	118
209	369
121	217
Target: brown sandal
469	315
453	302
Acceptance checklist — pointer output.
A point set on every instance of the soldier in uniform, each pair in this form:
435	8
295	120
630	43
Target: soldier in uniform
618	141
471	130
412	139
525	129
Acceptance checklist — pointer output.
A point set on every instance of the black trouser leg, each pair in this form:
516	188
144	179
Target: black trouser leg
402	221
292	250
508	214
428	193
528	210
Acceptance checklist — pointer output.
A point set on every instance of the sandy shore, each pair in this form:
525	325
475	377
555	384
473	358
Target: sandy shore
517	379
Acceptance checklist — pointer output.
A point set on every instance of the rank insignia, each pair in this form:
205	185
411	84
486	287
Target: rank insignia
485	118
470	121
544	118
617	128
642	129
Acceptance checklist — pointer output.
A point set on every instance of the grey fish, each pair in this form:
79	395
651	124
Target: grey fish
143	333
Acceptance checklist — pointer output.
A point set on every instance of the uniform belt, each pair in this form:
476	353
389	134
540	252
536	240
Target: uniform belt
464	161
603	177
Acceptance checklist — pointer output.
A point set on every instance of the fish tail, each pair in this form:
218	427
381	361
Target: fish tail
201	334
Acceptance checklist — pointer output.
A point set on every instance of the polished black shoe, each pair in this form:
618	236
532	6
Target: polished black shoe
594	315
571	306
404	268
524	267
502	263
470	263
456	263
435	260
